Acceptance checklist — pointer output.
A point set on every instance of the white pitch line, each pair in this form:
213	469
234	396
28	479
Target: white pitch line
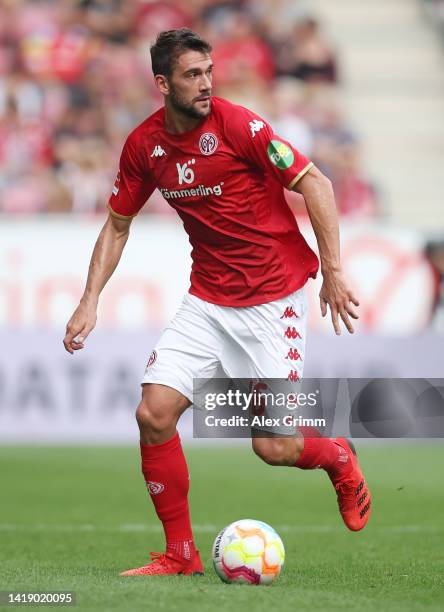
207	528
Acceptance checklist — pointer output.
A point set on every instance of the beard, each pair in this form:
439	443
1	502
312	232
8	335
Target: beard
186	108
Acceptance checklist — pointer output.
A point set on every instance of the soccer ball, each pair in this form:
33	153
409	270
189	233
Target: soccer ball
249	552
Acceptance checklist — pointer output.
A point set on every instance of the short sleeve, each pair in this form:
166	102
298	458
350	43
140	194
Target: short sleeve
254	140
133	185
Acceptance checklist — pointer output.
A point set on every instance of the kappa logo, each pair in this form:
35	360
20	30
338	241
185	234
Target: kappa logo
292	332
152	359
256	126
157	151
208	143
293	376
116	184
294	355
155	487
289	313
185	174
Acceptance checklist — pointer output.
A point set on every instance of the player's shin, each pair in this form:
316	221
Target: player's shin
338	458
166	475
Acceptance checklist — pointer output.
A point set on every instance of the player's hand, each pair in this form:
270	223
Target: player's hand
79	326
338	296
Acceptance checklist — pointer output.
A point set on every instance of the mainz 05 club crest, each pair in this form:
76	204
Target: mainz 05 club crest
208	143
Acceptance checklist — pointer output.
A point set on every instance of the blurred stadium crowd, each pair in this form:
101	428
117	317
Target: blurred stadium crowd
75	79
435	11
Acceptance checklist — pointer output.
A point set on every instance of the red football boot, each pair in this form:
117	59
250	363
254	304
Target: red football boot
354	499
169	564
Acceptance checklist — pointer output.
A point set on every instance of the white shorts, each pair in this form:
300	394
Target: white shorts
205	341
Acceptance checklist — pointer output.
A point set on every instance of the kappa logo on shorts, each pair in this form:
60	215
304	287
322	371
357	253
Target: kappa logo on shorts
152	359
155	487
208	143
294	355
289	313
293	376
292	333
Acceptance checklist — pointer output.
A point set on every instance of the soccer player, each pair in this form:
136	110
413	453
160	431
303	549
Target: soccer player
224	171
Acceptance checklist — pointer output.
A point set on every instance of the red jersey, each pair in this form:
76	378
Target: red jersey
225	178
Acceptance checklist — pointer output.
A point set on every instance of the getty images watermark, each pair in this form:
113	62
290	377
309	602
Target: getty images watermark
260	408
241	408
360	407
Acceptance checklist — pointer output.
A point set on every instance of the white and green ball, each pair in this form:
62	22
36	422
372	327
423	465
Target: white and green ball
249	552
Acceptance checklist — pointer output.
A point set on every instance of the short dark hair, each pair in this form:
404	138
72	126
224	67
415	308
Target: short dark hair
172	43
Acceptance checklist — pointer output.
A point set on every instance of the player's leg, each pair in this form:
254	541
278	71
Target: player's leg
307	449
185	351
166	476
158	412
269	343
277	351
276	449
336	456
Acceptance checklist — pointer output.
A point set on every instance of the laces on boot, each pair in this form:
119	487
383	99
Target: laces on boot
157	556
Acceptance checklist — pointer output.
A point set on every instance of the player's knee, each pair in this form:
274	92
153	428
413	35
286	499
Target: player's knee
156	418
278	451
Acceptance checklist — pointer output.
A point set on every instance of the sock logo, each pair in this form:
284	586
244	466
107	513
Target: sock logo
155	487
343	456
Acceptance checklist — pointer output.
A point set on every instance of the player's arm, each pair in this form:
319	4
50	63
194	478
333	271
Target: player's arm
106	255
255	141
319	199
132	188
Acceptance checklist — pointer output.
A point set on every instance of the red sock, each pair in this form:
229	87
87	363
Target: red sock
166	475
319	452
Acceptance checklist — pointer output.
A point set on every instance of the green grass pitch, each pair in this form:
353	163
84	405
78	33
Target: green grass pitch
72	518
